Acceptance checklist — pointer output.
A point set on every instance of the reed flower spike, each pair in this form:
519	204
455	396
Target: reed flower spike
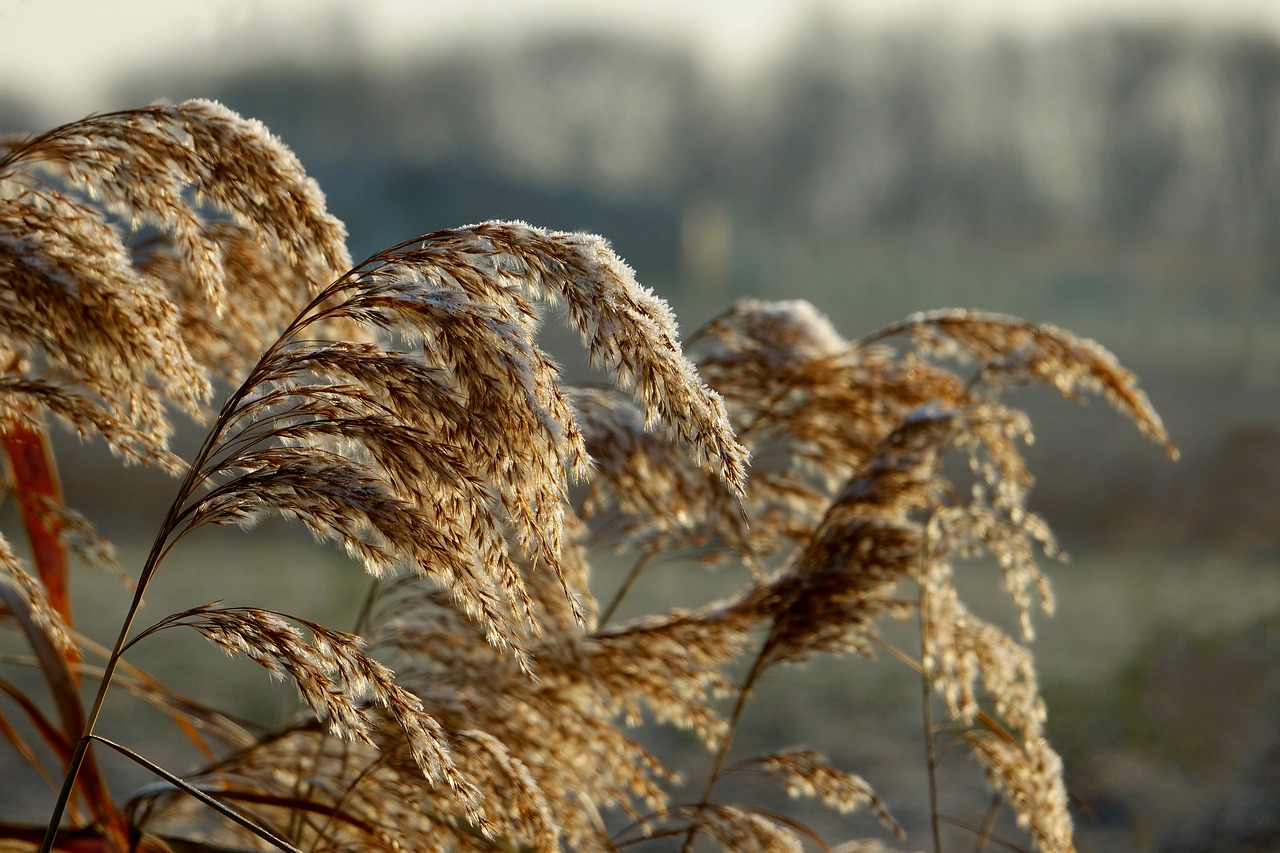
406	408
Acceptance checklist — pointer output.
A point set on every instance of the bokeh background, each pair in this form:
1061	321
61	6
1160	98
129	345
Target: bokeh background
1110	168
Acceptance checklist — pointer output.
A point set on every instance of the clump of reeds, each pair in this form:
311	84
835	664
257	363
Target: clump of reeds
403	408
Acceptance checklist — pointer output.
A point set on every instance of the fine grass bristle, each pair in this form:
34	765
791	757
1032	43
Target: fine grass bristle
404	408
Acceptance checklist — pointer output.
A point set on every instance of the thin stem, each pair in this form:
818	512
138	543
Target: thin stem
303	788
927	663
625	588
930	750
366	607
187	787
159	548
757	669
322	831
108	672
998	841
902	657
988	824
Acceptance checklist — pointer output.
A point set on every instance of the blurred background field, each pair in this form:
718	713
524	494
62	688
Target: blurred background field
1117	177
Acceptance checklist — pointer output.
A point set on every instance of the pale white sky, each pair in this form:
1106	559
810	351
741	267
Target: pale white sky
63	51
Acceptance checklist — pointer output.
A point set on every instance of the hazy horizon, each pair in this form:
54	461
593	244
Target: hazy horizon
63	56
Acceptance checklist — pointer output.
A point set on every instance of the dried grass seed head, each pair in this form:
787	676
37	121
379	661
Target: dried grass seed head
463	297
97	320
333	673
806	773
1015	350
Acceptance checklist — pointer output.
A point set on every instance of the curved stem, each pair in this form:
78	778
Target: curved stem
178	510
988	825
927	663
926	701
108	672
625	588
266	835
366	607
757	669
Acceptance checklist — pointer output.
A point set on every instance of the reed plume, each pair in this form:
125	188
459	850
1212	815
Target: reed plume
405	409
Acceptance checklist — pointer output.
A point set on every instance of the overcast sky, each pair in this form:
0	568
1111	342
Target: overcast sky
63	51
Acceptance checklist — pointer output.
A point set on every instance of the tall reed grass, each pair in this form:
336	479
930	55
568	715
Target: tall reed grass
403	408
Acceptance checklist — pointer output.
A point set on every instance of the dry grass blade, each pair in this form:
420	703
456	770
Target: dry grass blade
326	795
33	471
39	624
19	744
201	723
272	839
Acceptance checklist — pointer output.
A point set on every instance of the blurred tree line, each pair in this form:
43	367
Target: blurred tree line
1135	131
1122	130
1163	142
